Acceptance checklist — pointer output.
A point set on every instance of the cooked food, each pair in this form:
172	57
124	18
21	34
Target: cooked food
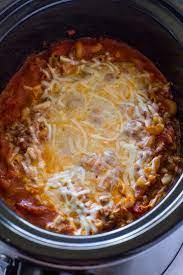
88	137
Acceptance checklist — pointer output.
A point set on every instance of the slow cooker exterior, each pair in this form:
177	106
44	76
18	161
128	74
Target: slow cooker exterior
153	27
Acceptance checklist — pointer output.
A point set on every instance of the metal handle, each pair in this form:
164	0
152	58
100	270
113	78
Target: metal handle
5	264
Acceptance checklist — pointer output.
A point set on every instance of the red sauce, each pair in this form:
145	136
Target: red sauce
16	97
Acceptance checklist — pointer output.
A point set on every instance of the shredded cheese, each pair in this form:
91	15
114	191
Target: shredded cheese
95	120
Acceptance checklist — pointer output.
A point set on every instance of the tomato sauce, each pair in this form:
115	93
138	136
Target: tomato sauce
16	97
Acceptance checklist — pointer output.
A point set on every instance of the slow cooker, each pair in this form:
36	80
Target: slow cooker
156	29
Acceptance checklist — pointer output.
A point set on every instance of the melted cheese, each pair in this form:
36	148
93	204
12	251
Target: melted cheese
96	120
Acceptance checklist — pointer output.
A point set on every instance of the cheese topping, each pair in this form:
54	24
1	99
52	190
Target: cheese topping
92	131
